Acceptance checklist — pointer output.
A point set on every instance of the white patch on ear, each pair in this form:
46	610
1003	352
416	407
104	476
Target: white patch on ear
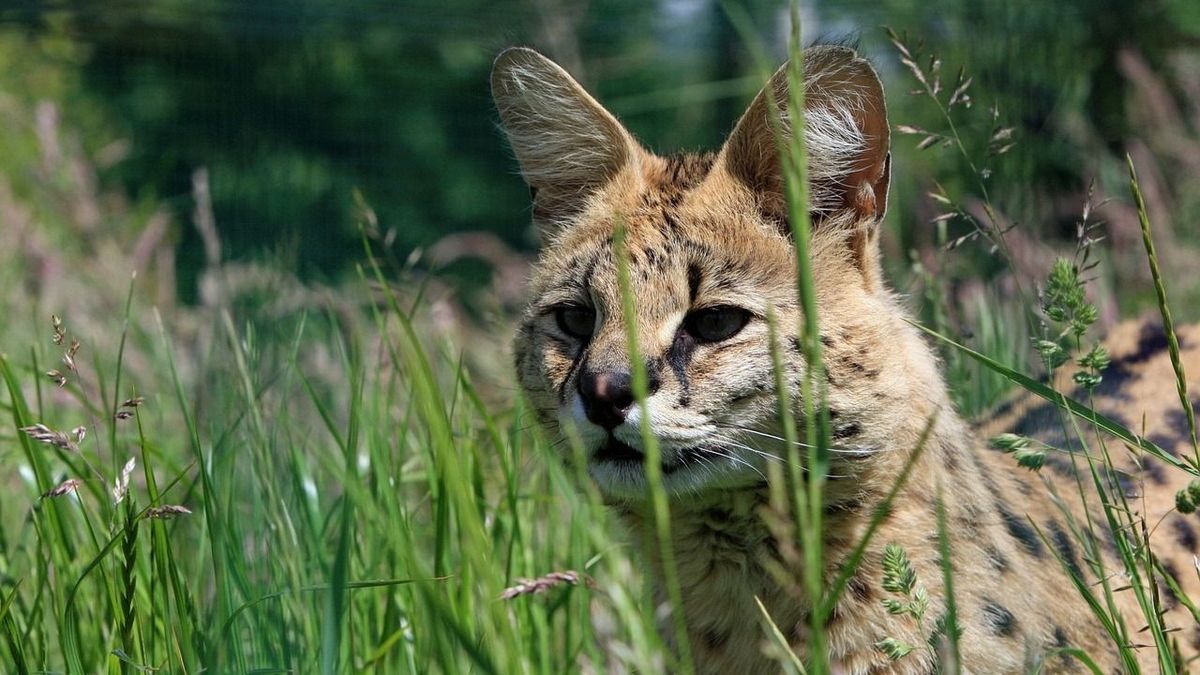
567	144
835	148
846	136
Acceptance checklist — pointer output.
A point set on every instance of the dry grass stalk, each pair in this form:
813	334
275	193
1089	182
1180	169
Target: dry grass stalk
544	583
44	434
65	487
167	511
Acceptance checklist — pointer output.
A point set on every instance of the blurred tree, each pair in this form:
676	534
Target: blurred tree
291	106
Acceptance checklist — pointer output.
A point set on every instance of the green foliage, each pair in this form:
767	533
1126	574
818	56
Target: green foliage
1022	449
900	578
898	574
894	649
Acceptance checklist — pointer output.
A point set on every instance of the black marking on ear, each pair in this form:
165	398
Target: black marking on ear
1065	547
1022	532
1185	534
999	619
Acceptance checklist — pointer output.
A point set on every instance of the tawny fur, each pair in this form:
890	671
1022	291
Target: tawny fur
710	230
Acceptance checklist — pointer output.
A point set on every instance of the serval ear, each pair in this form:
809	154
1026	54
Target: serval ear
567	144
846	134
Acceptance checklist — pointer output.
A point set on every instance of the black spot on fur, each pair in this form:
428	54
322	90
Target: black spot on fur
1022	485
1129	487
796	346
860	589
1065	547
694	276
1021	531
1177	422
1154	471
1062	641
997	558
849	504
1167	443
1110	540
1061	465
1169	601
950	458
1043	422
1004	408
671	221
1185	534
715	638
575	364
678	356
999	620
1152	340
844	431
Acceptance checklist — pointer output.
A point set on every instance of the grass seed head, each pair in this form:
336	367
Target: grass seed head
44	434
121	484
65	487
167	511
541	584
60	334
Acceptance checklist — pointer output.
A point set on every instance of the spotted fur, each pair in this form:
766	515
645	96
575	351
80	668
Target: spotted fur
710	233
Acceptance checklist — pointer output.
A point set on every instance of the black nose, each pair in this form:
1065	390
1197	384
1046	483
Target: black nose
608	396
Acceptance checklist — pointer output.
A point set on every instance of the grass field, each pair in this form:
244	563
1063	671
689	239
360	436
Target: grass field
291	478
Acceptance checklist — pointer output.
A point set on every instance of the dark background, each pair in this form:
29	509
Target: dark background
294	107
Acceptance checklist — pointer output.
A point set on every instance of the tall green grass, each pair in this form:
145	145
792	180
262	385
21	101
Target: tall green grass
363	515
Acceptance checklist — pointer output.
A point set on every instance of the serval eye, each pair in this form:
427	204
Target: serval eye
576	321
716	323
